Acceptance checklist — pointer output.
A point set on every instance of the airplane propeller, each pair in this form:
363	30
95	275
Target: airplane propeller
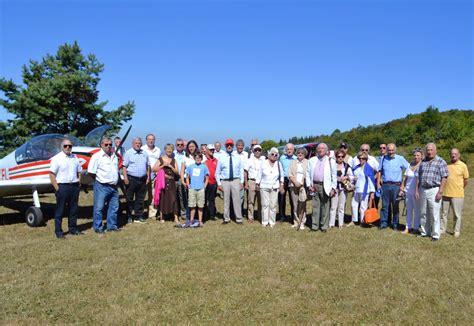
120	183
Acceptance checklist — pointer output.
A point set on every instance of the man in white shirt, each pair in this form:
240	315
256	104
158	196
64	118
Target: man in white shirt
179	155
103	168
371	160
252	168
64	173
154	154
218	152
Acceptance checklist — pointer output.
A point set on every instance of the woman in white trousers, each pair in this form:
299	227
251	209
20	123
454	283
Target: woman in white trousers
269	181
338	202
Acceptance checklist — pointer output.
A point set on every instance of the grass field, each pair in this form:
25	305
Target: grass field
234	274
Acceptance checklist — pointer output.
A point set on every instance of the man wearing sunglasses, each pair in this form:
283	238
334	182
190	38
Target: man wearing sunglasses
103	168
64	173
230	180
374	164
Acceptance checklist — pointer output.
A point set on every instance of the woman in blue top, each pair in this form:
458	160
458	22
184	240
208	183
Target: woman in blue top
364	175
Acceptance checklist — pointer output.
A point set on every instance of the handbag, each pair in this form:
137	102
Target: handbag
347	185
371	215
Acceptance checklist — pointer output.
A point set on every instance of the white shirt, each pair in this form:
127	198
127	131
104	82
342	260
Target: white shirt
219	154
411	181
244	156
65	167
187	161
299	171
372	162
253	166
360	183
153	156
269	176
104	167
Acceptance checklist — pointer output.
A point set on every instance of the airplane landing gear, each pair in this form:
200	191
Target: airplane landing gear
34	216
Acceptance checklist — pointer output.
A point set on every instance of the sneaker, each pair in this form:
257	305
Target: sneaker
99	231
457	234
140	220
61	236
294	226
351	224
130	220
302	227
272	225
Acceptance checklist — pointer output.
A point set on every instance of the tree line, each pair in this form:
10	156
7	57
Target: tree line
453	128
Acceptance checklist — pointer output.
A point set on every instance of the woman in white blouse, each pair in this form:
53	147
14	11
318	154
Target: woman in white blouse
269	181
364	175
409	186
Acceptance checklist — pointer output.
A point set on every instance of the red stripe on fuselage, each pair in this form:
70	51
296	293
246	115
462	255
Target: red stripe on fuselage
28	165
29	175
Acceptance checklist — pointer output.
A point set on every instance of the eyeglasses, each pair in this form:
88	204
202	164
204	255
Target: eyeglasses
257	150
67	146
339	156
362	158
212	150
180	145
365	149
229	145
253	145
273	154
383	147
108	145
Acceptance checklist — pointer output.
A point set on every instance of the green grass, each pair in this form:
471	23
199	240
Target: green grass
236	274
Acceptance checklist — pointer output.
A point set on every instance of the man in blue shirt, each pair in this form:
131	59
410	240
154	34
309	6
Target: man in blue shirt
285	161
230	180
389	178
136	176
196	181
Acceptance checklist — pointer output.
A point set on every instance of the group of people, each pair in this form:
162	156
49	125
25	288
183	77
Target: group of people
183	182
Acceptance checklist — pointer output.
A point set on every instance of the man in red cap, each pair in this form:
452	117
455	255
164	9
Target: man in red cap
230	180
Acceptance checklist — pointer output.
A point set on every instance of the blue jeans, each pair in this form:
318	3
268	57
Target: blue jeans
105	193
389	203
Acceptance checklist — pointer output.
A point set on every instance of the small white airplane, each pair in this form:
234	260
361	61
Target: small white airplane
26	170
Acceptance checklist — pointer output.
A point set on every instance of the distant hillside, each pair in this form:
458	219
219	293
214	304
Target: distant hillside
453	128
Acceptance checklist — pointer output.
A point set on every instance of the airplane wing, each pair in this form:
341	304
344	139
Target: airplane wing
24	186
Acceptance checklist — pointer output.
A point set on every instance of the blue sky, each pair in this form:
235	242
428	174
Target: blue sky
209	70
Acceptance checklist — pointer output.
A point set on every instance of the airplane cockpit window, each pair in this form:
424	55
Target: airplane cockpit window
42	147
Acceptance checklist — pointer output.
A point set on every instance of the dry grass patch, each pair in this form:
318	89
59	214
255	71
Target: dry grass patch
239	274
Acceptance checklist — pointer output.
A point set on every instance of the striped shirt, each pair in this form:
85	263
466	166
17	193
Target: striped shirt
431	172
136	163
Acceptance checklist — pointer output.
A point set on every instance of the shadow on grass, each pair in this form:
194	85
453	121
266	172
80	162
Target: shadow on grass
21	203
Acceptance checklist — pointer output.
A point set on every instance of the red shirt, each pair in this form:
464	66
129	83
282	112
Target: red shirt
211	164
